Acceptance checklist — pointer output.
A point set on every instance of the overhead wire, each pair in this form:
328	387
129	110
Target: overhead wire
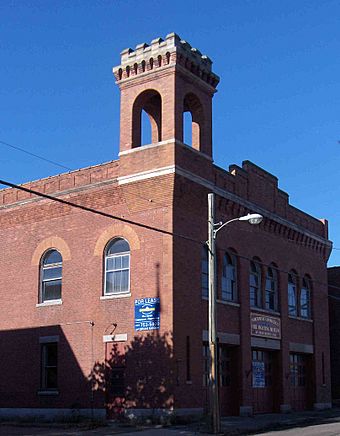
97	212
16	147
138	224
53	162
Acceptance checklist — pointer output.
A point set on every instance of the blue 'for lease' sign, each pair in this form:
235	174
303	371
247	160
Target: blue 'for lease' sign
147	314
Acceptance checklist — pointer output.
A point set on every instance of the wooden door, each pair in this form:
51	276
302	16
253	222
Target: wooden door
262	380
299	381
228	380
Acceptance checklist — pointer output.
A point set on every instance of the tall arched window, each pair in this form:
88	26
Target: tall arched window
117	267
229	292
292	293
51	276
204	272
305	299
255	285
271	291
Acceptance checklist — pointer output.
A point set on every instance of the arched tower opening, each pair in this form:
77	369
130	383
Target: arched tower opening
168	79
193	124
148	102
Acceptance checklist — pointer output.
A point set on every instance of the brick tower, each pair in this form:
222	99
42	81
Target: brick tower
165	79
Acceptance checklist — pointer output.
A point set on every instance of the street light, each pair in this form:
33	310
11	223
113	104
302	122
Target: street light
213	228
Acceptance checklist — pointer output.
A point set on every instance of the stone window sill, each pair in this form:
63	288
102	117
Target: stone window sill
114	296
229	303
49	303
268	311
48	392
298	318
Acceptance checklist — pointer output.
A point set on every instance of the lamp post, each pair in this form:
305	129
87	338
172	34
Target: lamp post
213	228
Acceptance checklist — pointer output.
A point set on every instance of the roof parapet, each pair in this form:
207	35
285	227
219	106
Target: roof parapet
171	50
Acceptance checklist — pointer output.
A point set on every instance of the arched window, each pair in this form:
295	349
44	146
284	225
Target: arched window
305	299
229	292
117	267
204	272
255	285
292	289
51	276
271	291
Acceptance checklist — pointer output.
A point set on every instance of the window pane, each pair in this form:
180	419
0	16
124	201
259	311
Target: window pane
292	299
51	378
51	290
118	246
124	281
110	278
114	263
125	261
51	355
49	362
52	273
51	257
305	303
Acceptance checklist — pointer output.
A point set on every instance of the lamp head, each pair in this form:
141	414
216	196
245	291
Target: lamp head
252	218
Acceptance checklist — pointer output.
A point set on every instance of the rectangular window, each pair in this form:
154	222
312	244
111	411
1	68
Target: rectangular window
49	366
271	294
117	274
305	311
292	306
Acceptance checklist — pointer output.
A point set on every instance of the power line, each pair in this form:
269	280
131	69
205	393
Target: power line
97	212
15	147
125	220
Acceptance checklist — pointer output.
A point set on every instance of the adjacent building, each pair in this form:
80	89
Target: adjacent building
107	313
334	329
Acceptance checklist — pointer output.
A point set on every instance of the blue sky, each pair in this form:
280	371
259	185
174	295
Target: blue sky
278	102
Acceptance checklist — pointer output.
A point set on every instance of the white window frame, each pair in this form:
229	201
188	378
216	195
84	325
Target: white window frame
43	268
116	255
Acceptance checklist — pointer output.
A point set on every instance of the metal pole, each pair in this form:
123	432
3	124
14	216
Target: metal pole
213	382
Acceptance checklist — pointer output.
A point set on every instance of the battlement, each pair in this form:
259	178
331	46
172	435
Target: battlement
160	53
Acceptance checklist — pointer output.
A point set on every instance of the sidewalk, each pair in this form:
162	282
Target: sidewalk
276	421
231	426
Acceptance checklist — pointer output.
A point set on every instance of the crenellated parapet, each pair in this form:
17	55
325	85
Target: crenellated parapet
164	53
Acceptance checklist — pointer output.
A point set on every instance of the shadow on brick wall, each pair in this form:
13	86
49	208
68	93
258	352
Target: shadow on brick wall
138	375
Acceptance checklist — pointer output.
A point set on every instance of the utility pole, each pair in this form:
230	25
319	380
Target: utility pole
214	404
213	228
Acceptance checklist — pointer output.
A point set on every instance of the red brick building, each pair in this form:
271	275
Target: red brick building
334	329
104	315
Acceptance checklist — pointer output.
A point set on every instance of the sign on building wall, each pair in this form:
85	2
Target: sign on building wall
259	375
147	314
265	326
